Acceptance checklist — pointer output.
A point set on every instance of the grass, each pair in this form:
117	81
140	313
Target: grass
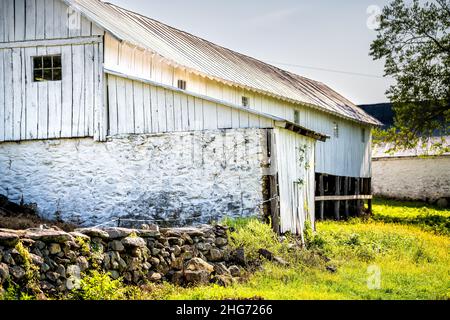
427	217
402	252
410	252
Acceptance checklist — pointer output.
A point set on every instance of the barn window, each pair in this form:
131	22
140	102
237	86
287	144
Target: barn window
336	129
245	101
363	135
47	68
182	84
297	116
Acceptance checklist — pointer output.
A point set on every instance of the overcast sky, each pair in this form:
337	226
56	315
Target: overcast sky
323	34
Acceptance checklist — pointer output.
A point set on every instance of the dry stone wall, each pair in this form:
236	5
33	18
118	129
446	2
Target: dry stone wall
57	260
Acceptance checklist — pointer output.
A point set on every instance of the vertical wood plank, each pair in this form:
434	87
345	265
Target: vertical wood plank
89	88
18	95
85	27
30	27
74	24
147	109
19	20
209	115
162	118
43	103
2	23
321	193
40	21
112	106
23	113
130	128
67	94
155	116
101	91
198	114
170	110
9	96
2	91
346	187
337	202
9	21
121	106
184	112
191	112
54	102
178	112
31	96
77	90
96	30
49	29
60	22
224	117
139	114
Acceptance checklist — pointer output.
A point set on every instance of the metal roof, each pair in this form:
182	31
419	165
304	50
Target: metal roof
215	62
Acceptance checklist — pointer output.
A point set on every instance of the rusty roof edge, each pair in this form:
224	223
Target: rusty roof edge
277	120
87	14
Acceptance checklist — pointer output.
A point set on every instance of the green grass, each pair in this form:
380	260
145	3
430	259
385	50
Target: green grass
427	217
411	253
408	243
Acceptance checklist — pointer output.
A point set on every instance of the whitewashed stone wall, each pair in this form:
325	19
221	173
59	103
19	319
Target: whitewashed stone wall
413	178
183	178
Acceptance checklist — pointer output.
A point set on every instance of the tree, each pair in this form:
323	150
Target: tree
414	40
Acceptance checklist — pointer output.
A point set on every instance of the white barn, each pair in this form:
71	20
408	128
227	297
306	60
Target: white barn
107	114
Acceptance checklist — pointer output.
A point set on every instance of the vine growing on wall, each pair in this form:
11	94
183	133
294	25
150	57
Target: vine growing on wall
303	161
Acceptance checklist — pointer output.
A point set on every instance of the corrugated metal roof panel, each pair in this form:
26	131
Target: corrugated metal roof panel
216	62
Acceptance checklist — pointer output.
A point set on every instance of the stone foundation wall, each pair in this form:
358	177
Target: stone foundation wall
174	178
55	260
425	179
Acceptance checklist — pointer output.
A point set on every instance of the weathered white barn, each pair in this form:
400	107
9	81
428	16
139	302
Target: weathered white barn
105	113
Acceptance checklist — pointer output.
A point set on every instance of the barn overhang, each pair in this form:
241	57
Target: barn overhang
279	122
291	126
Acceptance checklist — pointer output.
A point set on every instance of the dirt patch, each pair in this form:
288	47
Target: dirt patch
19	217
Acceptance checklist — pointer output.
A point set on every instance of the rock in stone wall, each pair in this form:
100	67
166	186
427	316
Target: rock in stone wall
182	255
180	178
426	179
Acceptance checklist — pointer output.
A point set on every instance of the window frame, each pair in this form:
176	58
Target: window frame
336	129
245	101
42	67
181	84
296	116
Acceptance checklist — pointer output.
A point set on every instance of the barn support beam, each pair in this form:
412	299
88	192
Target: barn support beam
337	192
340	197
321	193
346	192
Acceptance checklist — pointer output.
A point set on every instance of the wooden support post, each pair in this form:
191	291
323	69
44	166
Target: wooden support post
321	193
337	192
357	192
346	192
274	208
369	201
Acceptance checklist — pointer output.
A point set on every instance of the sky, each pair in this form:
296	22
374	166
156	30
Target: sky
304	37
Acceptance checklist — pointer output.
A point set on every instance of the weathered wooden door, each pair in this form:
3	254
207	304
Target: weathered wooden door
295	169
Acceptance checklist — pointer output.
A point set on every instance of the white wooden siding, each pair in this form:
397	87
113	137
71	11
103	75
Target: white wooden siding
136	107
53	109
22	20
347	155
294	161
